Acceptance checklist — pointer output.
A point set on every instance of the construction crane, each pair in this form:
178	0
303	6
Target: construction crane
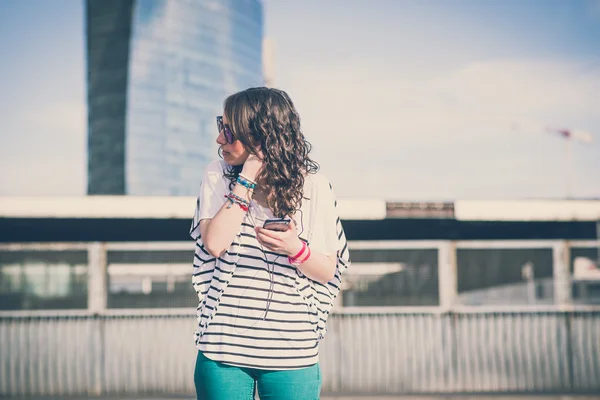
569	136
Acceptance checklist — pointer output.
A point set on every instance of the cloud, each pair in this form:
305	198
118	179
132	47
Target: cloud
422	134
524	87
362	98
45	151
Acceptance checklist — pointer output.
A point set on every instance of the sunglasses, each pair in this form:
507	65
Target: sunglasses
225	129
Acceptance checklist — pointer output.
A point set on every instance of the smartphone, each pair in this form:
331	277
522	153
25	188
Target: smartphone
277	224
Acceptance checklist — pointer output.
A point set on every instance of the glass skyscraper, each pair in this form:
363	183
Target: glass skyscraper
157	74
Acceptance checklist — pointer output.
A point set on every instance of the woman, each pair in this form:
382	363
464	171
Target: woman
265	291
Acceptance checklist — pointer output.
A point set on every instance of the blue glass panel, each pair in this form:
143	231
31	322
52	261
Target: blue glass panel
186	56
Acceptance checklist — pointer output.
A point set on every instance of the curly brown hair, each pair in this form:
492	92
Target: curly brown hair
265	119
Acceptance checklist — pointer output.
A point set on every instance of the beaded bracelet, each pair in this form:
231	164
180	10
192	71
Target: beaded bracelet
235	199
238	199
245	182
246	178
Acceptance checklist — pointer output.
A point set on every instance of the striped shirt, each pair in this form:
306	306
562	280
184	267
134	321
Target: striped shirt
255	309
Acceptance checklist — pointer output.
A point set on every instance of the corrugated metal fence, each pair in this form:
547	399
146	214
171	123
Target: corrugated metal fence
391	351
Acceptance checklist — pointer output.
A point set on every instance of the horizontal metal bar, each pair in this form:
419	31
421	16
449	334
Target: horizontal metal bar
353	244
189	245
134	312
494	309
111	312
507	244
584	243
395	244
387	310
44	246
44	313
158	312
133	246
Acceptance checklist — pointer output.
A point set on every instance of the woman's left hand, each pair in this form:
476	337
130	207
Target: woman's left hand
286	242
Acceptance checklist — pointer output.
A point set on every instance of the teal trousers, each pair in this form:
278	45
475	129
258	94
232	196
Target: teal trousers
218	381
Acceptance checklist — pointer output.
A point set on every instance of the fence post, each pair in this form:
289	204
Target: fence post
563	295
97	285
97	303
563	299
447	275
448	294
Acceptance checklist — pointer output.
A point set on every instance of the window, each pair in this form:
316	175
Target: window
33	280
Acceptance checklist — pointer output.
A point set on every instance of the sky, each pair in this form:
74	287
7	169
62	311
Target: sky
402	100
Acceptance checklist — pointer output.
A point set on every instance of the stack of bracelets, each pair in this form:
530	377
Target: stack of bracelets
235	199
302	256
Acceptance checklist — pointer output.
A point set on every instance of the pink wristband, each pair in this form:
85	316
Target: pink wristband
305	258
300	252
297	260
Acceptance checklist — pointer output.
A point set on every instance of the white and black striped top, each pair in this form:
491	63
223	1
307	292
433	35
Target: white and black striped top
245	318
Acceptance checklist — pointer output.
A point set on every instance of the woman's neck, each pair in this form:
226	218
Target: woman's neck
260	196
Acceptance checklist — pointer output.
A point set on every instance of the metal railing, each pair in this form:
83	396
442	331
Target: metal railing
383	350
367	351
464	351
447	263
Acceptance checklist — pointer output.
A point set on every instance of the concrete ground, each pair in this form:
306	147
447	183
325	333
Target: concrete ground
459	397
446	397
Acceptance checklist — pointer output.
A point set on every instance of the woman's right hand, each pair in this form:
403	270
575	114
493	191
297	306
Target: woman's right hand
252	166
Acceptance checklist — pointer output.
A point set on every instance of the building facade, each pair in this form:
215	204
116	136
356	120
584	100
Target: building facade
157	74
110	252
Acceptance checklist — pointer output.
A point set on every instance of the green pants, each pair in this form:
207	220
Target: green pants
218	381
